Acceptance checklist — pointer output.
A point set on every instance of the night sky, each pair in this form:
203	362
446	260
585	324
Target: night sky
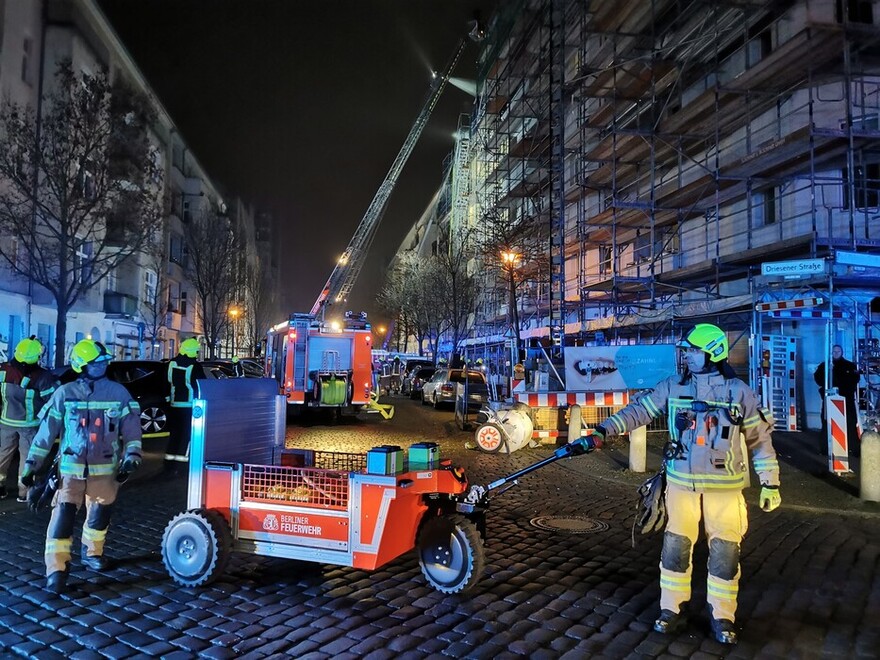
300	107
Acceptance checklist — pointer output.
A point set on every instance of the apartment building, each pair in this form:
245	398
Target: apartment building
146	306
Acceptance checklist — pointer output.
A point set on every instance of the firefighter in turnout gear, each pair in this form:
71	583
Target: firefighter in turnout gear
25	387
99	426
183	372
707	409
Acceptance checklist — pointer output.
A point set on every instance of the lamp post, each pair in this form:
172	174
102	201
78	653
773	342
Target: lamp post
234	312
509	261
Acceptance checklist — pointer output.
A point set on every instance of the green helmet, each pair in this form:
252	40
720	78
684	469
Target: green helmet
709	338
28	351
189	347
86	351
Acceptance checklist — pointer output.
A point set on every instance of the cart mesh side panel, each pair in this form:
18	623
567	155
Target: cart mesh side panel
325	489
332	460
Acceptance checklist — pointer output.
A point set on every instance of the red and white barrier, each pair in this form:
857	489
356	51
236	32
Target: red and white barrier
797	303
562	399
838	456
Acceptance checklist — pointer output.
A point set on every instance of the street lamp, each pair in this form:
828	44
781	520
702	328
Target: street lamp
234	313
509	261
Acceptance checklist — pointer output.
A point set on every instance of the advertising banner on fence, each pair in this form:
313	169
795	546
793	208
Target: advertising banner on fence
610	368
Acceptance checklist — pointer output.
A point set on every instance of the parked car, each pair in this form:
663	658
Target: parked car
416	379
442	386
226	368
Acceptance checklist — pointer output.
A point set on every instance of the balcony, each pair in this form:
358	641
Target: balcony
120	303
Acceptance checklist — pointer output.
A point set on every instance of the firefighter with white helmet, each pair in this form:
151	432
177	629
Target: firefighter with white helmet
707	408
25	387
99	426
183	372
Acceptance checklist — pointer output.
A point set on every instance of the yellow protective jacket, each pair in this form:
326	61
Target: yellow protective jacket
711	412
99	425
25	389
183	372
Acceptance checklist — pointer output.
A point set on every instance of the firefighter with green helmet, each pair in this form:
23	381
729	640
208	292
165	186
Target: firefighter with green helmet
25	387
707	409
98	423
183	372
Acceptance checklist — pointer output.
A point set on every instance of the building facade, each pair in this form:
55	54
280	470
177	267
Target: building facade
145	307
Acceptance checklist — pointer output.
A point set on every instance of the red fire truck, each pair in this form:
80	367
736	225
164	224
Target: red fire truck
325	365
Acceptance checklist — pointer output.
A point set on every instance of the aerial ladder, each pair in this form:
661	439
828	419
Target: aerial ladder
330	365
347	269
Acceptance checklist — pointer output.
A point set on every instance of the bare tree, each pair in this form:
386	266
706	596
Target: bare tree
518	253
214	250
455	284
260	304
81	189
155	303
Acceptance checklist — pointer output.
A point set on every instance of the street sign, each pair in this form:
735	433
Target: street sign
799	268
857	259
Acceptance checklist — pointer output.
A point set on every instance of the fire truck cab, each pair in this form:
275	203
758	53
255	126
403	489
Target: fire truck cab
322	365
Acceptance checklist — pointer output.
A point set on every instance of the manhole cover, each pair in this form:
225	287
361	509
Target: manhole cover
569	524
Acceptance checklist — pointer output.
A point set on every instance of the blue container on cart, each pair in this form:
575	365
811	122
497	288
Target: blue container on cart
386	459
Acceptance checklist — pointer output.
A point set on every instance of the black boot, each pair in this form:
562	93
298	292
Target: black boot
57	582
669	622
724	631
95	562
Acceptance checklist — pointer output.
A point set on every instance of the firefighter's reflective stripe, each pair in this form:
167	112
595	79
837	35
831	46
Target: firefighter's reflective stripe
93	539
679	582
704	481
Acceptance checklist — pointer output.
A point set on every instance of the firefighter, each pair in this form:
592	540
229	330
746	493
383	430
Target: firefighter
25	387
707	408
100	445
183	372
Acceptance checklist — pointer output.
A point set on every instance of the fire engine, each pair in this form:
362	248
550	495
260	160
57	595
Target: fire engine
319	362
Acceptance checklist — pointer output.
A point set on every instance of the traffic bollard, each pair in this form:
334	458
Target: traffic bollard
638	449
869	487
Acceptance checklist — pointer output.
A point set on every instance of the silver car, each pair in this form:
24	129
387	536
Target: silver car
442	387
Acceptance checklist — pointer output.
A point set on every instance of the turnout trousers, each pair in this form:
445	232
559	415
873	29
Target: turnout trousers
12	438
99	494
725	519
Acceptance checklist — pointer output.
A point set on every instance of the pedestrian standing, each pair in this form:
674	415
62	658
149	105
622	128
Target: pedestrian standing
99	426
845	378
183	373
707	408
25	387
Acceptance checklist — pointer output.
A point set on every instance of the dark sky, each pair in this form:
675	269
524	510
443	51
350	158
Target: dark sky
301	107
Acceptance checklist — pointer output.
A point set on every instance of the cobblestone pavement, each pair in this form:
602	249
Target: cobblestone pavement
810	586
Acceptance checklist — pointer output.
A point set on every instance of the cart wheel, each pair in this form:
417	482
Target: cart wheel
451	553
490	438
195	547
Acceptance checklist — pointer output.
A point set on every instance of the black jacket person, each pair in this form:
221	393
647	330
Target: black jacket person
183	372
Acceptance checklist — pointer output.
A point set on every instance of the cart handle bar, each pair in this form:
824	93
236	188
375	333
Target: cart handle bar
583	445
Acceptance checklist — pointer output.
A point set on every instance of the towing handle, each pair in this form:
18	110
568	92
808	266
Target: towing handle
478	495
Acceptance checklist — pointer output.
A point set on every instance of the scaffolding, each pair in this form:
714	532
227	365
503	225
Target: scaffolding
671	147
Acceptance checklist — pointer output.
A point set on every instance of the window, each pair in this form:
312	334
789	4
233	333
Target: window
867	186
27	48
82	266
87	180
149	287
857	11
764	204
183	303
605	254
111	280
187	213
177	251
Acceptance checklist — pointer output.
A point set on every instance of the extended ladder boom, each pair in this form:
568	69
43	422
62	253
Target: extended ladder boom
347	269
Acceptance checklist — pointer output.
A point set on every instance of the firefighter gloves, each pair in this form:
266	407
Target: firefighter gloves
770	498
27	479
598	436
